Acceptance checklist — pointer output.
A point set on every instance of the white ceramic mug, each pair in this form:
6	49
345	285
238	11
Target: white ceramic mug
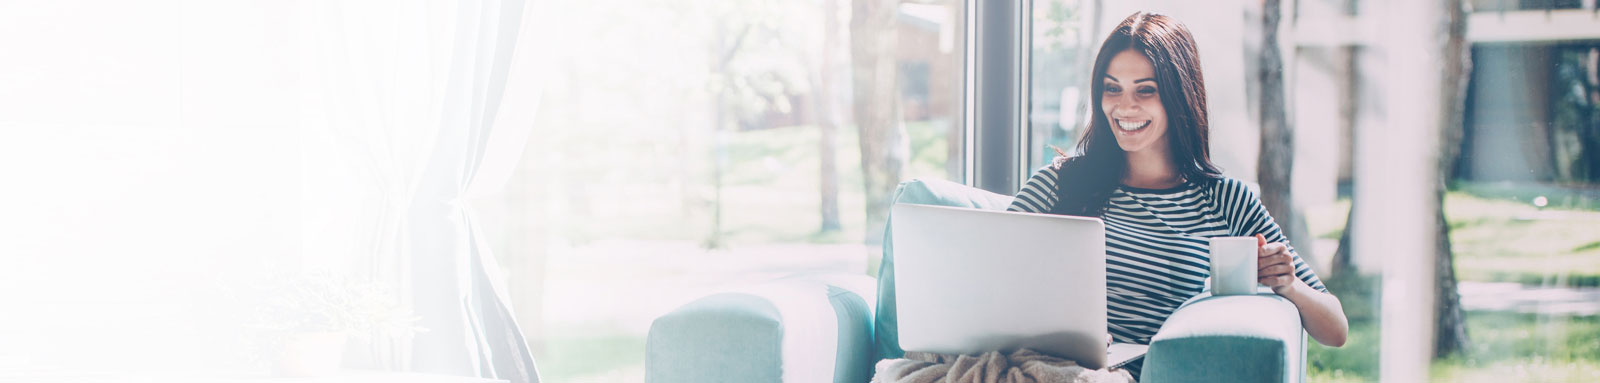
1233	265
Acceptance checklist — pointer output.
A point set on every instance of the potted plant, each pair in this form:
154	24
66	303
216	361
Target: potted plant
307	320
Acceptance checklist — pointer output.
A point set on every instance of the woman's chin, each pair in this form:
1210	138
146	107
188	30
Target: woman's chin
1131	146
1137	140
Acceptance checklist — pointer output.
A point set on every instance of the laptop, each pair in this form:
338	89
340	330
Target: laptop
970	281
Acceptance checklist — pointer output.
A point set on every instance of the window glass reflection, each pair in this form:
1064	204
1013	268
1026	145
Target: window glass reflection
684	146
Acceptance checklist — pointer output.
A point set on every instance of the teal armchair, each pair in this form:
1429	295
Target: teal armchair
836	327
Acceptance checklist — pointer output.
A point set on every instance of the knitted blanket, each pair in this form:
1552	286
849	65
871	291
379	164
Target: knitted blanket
1022	366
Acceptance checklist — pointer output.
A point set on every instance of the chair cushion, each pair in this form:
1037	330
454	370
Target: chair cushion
808	328
926	192
714	339
1240	338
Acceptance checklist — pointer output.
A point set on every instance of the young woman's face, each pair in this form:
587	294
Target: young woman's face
1132	105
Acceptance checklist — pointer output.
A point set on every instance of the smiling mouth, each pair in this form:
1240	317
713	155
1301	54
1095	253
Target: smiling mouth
1132	126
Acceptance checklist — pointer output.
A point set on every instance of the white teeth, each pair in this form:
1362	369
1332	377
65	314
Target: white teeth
1129	126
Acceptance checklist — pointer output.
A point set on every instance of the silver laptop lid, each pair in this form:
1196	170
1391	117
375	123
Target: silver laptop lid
969	281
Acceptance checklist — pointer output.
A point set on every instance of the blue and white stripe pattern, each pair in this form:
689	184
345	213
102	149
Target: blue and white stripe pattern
1157	253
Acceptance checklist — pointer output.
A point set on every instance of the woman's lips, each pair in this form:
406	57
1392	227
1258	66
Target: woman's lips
1132	126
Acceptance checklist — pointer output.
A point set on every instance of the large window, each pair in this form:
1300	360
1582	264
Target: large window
1064	40
686	146
1514	276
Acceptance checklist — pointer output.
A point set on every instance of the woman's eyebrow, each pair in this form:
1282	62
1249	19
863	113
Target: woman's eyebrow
1150	79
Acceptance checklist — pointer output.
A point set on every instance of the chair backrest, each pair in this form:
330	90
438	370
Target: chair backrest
886	334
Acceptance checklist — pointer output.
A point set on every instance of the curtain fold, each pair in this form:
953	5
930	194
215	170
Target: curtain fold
426	106
476	152
366	117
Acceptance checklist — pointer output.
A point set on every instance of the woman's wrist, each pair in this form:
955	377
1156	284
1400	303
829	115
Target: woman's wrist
1293	291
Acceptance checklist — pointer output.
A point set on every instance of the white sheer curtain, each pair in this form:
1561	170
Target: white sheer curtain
411	93
475	154
163	151
370	101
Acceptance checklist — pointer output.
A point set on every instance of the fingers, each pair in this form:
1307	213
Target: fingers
1274	264
1274	270
1272	248
1273	260
1276	280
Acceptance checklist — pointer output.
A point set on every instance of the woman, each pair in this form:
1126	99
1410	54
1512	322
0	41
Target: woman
1145	170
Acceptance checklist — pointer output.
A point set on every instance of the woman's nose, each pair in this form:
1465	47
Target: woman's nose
1126	99
1124	109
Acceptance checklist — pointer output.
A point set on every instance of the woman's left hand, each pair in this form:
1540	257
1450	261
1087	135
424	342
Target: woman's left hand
1320	312
1274	265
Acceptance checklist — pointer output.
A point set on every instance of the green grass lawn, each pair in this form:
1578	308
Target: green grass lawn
1503	240
1499	239
576	356
1506	347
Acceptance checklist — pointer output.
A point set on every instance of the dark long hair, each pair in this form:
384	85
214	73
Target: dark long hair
1086	181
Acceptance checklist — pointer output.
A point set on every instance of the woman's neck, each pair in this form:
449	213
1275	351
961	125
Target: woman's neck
1148	170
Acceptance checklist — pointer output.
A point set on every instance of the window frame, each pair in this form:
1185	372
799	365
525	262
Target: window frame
998	92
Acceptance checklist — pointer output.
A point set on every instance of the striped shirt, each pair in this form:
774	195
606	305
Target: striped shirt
1157	248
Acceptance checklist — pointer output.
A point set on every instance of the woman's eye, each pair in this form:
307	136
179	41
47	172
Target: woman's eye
1147	90
1113	89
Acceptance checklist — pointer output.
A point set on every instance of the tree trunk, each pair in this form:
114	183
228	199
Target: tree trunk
1589	135
1450	335
884	149
1341	265
1276	162
827	120
1451	331
723	54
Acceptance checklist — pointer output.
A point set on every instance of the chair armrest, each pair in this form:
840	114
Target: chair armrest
1238	338
814	328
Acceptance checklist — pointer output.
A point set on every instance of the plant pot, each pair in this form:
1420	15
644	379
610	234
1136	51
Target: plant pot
392	350
310	354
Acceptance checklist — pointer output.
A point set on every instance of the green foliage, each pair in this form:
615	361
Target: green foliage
1059	24
572	357
1586	247
1575	115
1356	361
929	148
771	190
321	302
